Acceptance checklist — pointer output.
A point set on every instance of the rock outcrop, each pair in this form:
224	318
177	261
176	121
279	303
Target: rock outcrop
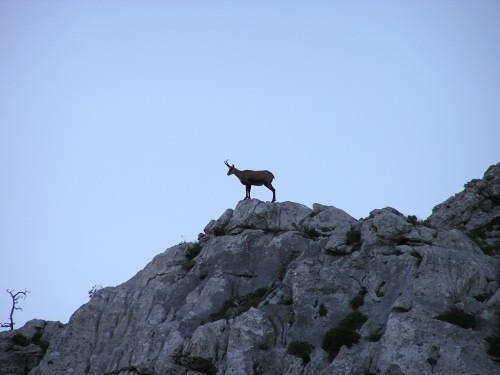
280	288
23	348
475	211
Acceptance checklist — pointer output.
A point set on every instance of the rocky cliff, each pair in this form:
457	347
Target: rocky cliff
280	288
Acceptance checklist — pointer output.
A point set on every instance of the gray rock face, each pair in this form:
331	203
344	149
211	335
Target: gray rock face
279	288
475	211
22	349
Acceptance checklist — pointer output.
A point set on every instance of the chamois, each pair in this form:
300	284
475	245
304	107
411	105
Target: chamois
256	178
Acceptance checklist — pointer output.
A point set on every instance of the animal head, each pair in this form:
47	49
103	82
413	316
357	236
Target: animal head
231	168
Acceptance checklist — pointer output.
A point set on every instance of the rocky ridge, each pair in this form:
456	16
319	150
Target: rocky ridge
280	288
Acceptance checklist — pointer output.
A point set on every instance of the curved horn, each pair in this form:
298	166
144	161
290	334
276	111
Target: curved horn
227	163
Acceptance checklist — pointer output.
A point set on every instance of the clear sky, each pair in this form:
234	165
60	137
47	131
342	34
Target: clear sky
116	117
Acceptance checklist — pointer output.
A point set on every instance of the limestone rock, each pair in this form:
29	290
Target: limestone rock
475	211
206	347
324	221
249	334
218	227
266	275
23	348
269	217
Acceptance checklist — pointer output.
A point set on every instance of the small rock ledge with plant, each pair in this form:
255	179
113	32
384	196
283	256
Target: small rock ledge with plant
280	288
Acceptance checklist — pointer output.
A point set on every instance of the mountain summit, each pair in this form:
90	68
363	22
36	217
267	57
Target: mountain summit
280	288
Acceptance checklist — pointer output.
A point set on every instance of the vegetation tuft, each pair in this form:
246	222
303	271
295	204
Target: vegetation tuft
343	334
238	305
353	238
412	219
458	317
20	339
93	291
354	320
192	250
427	223
301	349
337	337
358	300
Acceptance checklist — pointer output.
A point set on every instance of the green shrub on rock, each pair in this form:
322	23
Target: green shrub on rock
20	339
301	349
343	334
336	337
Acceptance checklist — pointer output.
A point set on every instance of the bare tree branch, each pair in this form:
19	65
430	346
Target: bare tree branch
15	299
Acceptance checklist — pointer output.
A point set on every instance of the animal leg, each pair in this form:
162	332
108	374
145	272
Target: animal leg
248	191
270	187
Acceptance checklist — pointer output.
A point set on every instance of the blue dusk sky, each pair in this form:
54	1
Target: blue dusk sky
116	118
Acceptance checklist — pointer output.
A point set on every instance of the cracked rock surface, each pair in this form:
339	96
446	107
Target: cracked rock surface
370	296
